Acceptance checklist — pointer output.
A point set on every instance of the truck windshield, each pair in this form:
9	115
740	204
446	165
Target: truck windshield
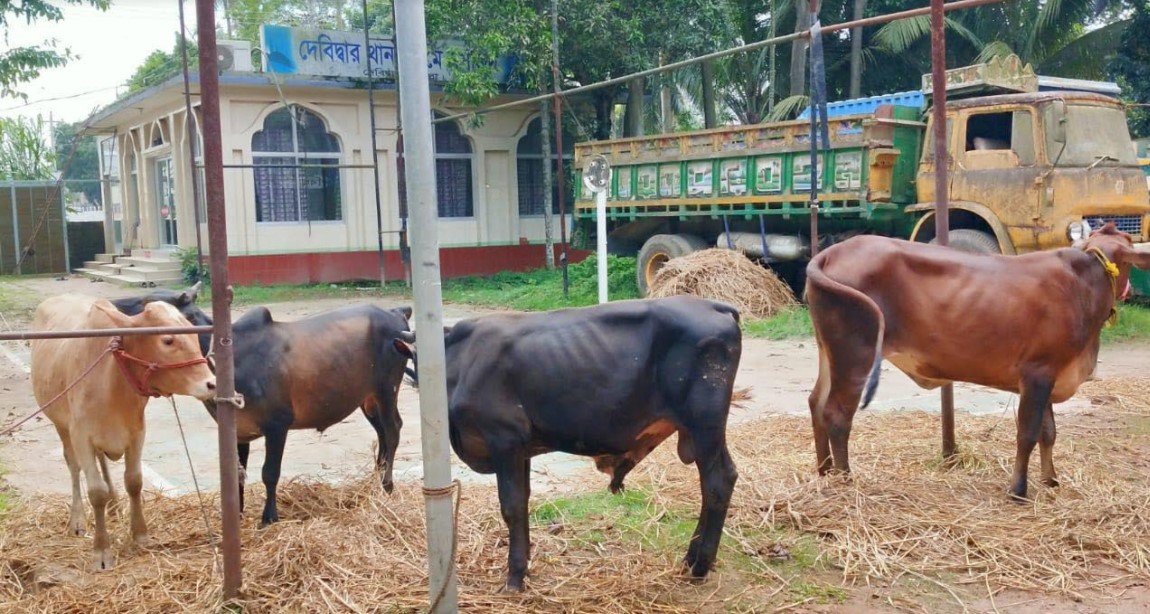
1093	134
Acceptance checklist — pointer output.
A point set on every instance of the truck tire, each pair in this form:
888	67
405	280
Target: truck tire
973	241
658	250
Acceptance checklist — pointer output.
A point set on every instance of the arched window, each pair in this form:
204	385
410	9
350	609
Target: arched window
290	184
529	167
452	172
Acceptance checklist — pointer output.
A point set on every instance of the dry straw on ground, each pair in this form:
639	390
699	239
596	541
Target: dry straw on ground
904	518
724	275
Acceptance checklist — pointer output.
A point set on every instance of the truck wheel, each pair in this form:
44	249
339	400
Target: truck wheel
658	250
974	241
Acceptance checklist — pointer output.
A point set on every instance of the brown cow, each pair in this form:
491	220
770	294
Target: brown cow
1027	324
102	416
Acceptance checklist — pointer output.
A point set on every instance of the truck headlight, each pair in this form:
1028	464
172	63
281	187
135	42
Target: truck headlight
1077	230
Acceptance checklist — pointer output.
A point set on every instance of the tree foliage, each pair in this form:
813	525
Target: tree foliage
1130	67
24	150
84	167
160	66
22	64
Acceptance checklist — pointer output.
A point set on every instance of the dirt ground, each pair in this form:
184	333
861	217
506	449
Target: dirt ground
779	374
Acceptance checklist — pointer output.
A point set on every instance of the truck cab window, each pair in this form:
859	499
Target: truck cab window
1012	130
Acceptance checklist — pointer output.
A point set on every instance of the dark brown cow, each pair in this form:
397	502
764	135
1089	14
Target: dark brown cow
1027	324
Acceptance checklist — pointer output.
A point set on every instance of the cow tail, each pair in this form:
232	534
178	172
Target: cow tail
867	307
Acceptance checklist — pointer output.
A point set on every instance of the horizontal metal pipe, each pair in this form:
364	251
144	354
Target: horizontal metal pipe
846	25
199	166
102	332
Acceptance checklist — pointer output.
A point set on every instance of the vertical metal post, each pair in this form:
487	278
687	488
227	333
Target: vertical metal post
15	227
556	85
419	167
109	216
221	296
941	205
374	147
189	126
64	225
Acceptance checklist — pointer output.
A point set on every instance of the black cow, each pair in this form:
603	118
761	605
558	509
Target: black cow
184	300
312	373
611	382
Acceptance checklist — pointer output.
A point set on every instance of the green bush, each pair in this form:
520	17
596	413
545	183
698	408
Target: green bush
190	260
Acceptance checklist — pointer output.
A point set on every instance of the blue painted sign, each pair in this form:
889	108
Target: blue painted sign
333	53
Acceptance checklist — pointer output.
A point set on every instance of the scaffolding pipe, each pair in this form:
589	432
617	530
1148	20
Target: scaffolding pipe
189	126
941	205
846	25
28	335
226	399
419	168
374	147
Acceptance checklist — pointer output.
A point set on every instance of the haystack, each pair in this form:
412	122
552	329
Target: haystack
728	276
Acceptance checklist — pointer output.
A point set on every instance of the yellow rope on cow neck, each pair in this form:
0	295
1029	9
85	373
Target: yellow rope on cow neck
1112	273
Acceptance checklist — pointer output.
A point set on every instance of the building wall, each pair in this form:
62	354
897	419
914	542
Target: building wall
274	251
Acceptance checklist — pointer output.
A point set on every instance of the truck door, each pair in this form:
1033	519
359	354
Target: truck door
996	166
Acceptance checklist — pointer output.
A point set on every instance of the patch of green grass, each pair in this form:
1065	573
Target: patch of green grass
247	296
542	290
1133	324
817	592
791	324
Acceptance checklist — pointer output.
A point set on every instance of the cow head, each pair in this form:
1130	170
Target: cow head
1118	247
184	300
169	352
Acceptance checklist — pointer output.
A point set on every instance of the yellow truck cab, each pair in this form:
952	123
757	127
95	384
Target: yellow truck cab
1031	170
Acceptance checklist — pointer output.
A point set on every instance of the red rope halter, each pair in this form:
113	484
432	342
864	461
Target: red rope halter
124	360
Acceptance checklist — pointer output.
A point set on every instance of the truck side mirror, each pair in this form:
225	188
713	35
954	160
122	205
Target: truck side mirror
1057	125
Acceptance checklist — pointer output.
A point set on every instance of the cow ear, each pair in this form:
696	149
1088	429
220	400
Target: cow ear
405	311
404	348
188	297
118	318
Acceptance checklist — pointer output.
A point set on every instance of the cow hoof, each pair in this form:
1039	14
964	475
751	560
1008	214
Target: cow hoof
143	540
269	519
1051	482
1019	496
77	528
388	487
103	560
616	489
513	586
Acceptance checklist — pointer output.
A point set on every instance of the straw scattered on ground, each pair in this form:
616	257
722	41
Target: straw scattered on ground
728	276
904	518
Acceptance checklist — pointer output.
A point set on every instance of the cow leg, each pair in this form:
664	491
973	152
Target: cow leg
134	484
1046	447
76	521
512	471
387	430
717	477
243	449
1032	405
113	500
273	458
98	497
838	417
817	402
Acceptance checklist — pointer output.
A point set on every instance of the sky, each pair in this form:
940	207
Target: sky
110	45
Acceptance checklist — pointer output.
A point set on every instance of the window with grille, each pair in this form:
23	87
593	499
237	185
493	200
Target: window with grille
454	189
529	169
297	174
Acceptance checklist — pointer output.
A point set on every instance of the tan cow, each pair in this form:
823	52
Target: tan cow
1025	324
102	416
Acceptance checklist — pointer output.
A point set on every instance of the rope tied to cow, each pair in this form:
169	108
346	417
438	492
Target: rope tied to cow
196	482
11	428
1112	274
124	359
455	487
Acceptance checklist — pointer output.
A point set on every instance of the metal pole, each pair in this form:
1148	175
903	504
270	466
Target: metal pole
15	229
556	84
419	167
190	125
102	332
221	296
64	223
109	216
374	147
601	241
941	206
846	25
